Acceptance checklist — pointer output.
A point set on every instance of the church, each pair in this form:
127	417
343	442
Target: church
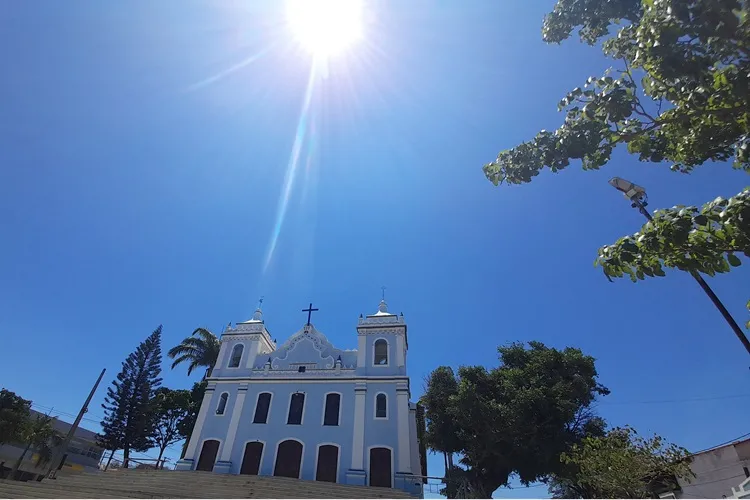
309	410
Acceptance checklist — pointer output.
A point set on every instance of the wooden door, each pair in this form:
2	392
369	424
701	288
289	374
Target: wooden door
288	459
251	459
380	467
328	463
208	455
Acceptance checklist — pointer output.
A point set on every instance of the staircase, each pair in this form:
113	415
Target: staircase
185	484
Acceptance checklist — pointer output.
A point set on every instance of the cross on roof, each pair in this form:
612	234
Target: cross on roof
309	312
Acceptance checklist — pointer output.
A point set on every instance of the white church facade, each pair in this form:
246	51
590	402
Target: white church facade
309	410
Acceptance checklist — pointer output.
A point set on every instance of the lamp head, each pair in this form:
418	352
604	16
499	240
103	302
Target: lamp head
633	192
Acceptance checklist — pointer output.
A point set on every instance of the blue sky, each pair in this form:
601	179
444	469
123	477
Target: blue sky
140	184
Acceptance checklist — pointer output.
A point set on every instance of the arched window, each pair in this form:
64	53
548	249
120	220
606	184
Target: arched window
296	406
333	404
222	403
234	361
381	352
381	406
261	409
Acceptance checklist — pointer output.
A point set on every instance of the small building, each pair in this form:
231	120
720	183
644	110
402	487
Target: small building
83	454
719	472
309	410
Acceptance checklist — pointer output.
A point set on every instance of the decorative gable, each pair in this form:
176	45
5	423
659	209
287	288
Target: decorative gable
310	349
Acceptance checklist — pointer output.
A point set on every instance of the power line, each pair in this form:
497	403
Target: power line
686	400
722	444
50	409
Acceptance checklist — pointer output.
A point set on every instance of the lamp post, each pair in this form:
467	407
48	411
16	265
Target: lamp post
639	200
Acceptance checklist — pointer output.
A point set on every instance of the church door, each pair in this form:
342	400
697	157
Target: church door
208	455
288	459
251	460
380	467
328	463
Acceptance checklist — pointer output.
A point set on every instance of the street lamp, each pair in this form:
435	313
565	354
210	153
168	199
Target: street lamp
638	199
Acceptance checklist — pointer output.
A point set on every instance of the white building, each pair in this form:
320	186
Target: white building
718	472
310	410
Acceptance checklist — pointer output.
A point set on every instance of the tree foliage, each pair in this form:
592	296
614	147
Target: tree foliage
516	418
185	426
707	240
693	60
14	412
200	349
129	420
622	465
39	436
678	94
170	408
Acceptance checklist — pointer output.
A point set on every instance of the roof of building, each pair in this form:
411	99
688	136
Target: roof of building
64	427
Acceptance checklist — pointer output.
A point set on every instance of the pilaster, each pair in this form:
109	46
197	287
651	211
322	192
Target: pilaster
226	452
402	421
358	438
198	428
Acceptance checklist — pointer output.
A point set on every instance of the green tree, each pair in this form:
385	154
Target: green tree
170	408
516	418
39	436
185	426
128	421
14	412
678	95
622	465
200	349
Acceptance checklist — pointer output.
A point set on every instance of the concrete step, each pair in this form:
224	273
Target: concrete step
227	483
254	490
232	480
33	490
189	484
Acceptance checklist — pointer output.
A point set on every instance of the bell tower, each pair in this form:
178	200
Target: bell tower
382	343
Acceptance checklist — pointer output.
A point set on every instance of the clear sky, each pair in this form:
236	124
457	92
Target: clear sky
147	164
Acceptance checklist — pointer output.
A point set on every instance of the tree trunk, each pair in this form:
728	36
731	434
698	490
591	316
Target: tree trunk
110	459
184	447
126	456
158	460
17	465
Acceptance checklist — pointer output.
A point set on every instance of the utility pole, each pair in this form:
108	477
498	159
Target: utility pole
637	195
57	459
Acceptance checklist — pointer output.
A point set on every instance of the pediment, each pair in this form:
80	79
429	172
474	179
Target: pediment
309	347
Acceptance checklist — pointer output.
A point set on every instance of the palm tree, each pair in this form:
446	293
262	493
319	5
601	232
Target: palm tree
40	437
200	349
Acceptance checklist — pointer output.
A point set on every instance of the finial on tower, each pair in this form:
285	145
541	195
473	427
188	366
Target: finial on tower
258	315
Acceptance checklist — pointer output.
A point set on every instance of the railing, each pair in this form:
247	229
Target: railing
431	484
135	463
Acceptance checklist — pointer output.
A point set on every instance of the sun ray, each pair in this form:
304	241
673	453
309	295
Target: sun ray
223	74
292	165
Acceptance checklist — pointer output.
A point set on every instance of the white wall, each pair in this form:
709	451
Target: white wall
717	472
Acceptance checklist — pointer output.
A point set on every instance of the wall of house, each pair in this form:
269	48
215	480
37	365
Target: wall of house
717	472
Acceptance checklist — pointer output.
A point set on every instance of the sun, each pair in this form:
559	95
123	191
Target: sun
325	27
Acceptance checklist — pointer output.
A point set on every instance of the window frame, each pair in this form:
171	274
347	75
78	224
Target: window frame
338	416
226	403
375	412
289	408
231	356
387	353
257	401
